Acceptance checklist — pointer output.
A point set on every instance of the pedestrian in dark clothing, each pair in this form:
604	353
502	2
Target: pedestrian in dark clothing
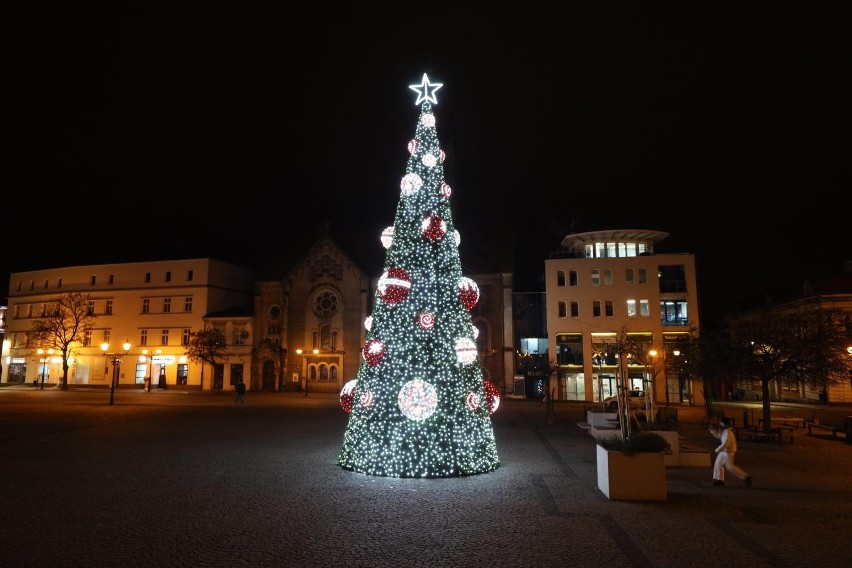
241	391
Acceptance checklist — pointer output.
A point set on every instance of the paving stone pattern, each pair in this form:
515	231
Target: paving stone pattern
184	479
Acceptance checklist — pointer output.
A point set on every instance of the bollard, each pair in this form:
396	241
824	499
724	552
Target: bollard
849	430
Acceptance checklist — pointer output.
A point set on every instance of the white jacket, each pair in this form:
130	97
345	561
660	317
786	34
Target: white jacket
727	441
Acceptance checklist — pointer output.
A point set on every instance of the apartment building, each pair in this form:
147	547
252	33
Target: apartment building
828	291
603	285
296	326
152	307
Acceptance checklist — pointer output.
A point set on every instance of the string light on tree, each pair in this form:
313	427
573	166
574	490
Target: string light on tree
423	406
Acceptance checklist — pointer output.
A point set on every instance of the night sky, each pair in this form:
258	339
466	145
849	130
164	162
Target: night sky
233	131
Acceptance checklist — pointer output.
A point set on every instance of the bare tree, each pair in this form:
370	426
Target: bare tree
806	347
620	346
206	346
62	327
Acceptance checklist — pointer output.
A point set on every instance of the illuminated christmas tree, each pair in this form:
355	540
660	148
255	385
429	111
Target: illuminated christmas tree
419	406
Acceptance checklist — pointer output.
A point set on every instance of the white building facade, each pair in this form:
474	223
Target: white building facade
152	306
604	284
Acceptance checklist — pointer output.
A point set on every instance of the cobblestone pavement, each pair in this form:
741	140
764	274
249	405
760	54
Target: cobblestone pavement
178	479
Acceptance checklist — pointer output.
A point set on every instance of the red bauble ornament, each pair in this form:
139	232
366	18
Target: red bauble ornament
394	285
373	352
468	292
446	191
433	228
346	395
492	396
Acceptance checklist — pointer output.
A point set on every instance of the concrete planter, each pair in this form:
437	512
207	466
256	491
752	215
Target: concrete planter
632	477
598	419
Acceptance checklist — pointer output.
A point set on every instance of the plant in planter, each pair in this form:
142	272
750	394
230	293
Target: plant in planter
642	441
633	468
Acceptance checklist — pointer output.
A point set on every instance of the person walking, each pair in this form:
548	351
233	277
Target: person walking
241	391
726	453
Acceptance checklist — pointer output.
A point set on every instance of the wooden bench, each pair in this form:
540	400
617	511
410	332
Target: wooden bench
834	429
785	420
753	434
775	434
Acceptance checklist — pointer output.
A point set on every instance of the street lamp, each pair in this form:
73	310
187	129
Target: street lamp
160	383
148	368
601	396
45	360
116	367
676	366
40	352
649	387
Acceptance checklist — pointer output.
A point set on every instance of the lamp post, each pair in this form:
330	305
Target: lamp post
116	367
159	371
40	352
148	368
676	367
600	356
649	389
45	356
305	366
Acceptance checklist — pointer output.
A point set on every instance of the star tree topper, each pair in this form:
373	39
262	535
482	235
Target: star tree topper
426	91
